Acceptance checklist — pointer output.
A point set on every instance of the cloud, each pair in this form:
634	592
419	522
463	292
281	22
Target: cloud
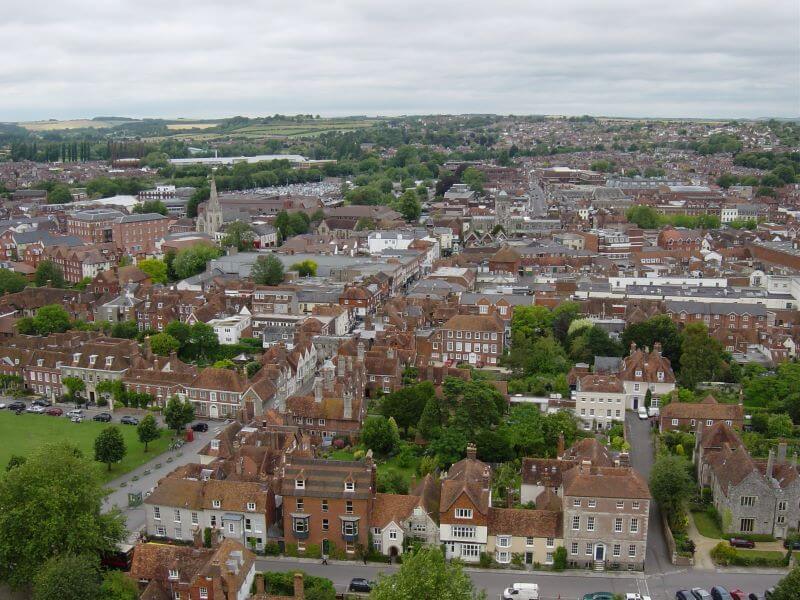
204	58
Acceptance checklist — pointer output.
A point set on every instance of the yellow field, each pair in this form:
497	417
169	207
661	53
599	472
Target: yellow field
182	126
71	124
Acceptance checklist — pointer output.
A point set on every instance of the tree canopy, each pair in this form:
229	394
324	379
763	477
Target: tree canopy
268	270
193	260
109	446
49	274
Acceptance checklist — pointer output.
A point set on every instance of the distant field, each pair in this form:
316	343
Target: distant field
23	433
182	126
290	130
71	124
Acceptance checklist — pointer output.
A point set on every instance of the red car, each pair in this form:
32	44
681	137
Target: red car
740	543
54	411
738	594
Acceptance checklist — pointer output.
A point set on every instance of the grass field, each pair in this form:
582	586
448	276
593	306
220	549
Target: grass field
181	126
707	526
20	434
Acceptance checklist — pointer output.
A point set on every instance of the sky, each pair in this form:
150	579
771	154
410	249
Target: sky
216	58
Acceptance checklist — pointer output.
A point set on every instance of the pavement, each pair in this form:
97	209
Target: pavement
569	585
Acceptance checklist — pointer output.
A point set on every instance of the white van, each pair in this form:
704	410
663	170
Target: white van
522	591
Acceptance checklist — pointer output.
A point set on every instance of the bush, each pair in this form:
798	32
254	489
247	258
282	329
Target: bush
726	555
560	559
291	550
312	551
207	537
272	549
485	560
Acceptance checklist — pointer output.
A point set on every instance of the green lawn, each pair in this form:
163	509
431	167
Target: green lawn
707	526
767	554
23	433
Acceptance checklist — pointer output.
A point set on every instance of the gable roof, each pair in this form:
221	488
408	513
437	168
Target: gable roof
524	522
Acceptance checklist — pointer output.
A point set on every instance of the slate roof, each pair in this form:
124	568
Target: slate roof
605	482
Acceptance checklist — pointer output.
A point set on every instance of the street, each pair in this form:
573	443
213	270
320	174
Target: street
569	585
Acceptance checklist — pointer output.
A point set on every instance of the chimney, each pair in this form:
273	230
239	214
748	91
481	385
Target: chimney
340	366
317	389
361	350
633	347
770	463
486	479
347	410
657	348
560	448
299	591
472	451
260	585
781	453
509	497
390	352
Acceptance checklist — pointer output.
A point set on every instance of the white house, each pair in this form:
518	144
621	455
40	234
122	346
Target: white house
230	330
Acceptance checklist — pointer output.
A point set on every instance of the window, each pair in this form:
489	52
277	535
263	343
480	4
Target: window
349	486
631	551
231	528
324	524
348	507
300	503
675	422
251	506
576	502
618	525
173	574
216	503
299	484
325	505
635	505
393	534
634	525
590	524
300	524
203	593
463	531
748	501
548	558
349	528
782	505
502	557
529	541
178	532
549	542
617	550
504	541
620	504
470	550
588	549
592	503
248	525
157	513
746	525
576	523
177	516
574	548
161	532
709	422
195	519
463	513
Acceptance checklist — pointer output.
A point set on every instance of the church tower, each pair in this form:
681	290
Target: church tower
211	220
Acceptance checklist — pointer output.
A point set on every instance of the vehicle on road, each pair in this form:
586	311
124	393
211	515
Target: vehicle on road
200	427
17	405
740	543
43	403
684	595
522	591
75	412
720	593
35	409
643	413
653	411
701	594
598	596
129	420
103	417
54	411
359	584
635	596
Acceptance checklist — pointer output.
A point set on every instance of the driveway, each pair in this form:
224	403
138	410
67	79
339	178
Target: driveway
642	458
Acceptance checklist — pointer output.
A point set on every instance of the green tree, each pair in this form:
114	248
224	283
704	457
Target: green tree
51	506
780	426
68	577
426	574
15	461
151	207
11	282
109	446
669	480
177	414
118	586
147	430
406	404
74	386
701	356
392	482
239	235
193	260
659	329
199	196
449	446
409	206
163	343
788	586
268	270
644	216
204	341
125	329
52	318
474	179
49	274
378	435
59	194
431	418
306	268
156	269
560	559
180	331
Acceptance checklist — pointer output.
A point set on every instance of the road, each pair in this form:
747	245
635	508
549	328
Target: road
537	198
658	560
567	586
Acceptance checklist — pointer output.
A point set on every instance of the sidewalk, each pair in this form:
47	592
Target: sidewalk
702	547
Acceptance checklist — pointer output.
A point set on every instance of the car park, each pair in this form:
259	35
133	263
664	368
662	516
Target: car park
200	427
522	591
54	411
643	413
359	584
36	409
720	593
17	405
740	543
103	417
129	420
701	594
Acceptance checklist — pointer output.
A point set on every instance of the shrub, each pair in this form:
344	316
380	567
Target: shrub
312	551
485	560
726	555
358	454
207	537
291	550
272	549
560	559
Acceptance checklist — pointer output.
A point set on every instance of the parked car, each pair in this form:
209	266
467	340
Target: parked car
522	591
738	594
720	593
75	412
794	543
42	403
129	420
359	584
598	596
653	411
103	417
769	593
684	595
635	596
77	419
200	427
54	411
755	596
2	405
36	409
643	412
701	594
740	543
17	405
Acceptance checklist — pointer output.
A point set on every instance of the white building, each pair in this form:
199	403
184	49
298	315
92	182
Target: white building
599	401
230	330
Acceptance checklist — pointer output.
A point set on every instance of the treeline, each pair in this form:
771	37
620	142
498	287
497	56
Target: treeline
647	217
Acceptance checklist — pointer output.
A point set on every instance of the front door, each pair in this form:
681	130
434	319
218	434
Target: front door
326	547
213	412
529	558
635	402
600	552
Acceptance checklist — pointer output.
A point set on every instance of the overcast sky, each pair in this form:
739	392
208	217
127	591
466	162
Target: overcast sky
214	58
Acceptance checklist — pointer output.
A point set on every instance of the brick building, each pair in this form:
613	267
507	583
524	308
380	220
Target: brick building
137	234
476	339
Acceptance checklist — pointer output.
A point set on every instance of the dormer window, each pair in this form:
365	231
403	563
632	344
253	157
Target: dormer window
40	362
109	360
216	503
215	444
173	574
349	486
661	375
251	506
92	359
299	484
638	373
76	357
